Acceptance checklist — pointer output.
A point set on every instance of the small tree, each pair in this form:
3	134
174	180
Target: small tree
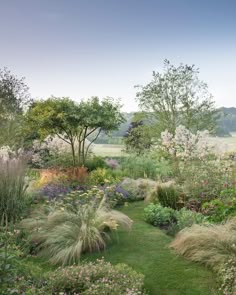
74	122
138	138
55	116
14	99
177	97
96	116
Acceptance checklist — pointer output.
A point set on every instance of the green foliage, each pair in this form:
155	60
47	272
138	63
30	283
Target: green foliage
177	97
137	189
203	180
168	196
12	189
138	138
144	167
101	176
72	227
94	162
74	122
186	218
226	121
219	209
14	98
158	215
95	278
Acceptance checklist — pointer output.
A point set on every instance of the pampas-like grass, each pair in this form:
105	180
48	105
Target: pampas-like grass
212	245
64	234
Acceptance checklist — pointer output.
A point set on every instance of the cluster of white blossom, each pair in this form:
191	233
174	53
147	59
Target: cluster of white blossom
6	153
185	144
52	146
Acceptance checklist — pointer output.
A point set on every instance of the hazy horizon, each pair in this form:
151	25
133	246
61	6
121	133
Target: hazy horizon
103	48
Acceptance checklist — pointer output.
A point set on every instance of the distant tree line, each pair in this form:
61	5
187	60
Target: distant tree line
175	96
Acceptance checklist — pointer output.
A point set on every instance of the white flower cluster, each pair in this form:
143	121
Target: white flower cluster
6	153
184	144
51	145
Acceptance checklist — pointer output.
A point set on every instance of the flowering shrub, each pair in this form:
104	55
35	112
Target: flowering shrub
54	191
52	152
158	215
101	176
96	278
112	163
221	208
228	277
186	145
204	180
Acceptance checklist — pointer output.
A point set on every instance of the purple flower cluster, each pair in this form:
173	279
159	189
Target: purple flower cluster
112	163
120	190
53	191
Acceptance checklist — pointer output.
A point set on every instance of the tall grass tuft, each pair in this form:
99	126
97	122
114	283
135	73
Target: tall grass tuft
212	245
64	234
12	188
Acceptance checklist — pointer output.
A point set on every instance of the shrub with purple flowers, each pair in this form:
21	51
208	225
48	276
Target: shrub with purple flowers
54	191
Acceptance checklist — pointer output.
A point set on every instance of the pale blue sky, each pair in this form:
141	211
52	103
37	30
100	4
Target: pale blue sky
81	48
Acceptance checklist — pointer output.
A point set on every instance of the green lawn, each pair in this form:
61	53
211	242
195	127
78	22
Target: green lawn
108	150
145	249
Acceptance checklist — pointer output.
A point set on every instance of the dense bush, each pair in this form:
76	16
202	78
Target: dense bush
54	191
101	176
228	277
186	218
144	167
96	278
204	180
168	196
158	215
219	209
71	227
94	162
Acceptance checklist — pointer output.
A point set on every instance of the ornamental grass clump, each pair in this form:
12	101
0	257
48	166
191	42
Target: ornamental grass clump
212	245
12	188
72	228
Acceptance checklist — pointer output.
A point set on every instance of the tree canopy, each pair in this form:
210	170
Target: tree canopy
177	97
74	122
14	100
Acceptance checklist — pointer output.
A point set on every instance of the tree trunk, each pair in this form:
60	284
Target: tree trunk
73	153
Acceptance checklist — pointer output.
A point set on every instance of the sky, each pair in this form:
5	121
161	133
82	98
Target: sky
84	48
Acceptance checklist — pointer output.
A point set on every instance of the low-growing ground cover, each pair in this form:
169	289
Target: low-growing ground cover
145	249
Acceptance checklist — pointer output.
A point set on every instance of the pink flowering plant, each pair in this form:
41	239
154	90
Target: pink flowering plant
95	278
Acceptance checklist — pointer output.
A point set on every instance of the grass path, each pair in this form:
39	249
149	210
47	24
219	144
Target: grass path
145	249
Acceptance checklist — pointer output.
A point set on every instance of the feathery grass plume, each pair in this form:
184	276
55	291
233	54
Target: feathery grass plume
65	234
12	187
212	245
